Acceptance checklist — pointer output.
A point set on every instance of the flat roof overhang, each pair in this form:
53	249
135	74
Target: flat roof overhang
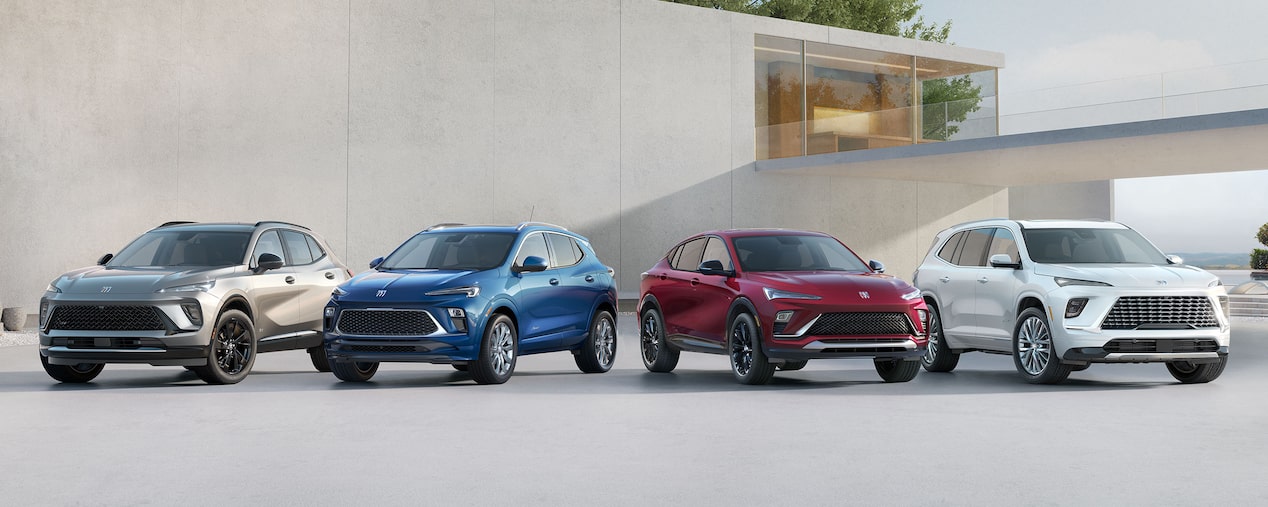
1211	143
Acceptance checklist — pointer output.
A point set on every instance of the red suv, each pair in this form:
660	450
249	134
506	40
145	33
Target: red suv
774	299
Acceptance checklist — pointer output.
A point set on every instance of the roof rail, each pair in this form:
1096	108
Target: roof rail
522	225
443	225
262	222
176	222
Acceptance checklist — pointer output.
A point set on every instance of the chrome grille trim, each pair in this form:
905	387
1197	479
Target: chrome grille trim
1132	312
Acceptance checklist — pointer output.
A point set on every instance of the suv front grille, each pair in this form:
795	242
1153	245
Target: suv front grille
105	318
386	323
1122	345
1161	312
861	323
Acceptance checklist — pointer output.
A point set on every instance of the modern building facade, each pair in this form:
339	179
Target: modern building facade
633	122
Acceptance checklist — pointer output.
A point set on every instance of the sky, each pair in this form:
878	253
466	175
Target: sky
1049	46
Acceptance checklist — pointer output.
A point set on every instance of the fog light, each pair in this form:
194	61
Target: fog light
457	313
924	319
1228	312
43	312
330	312
194	312
784	316
1075	307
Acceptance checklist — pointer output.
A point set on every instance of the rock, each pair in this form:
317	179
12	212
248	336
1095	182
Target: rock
14	318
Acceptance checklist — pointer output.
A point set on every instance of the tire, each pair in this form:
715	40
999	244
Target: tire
1079	367
1189	373
71	373
498	351
232	350
658	356
599	351
744	349
938	355
460	366
793	365
1033	351
896	370
353	371
319	359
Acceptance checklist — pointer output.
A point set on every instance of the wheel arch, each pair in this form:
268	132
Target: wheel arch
236	302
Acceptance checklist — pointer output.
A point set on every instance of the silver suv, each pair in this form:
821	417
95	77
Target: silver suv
200	295
1060	295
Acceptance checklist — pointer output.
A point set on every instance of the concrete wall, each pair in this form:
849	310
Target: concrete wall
629	121
1092	199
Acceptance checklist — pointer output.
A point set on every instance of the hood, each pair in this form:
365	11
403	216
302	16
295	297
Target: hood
1150	276
145	280
406	283
827	283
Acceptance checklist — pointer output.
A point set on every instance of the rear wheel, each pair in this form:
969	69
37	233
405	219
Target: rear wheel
459	366
793	365
497	352
354	372
1190	373
71	373
658	356
938	355
318	356
897	370
599	351
1033	353
231	353
744	347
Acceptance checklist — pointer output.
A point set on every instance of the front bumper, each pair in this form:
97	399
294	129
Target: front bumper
448	344
176	340
826	347
1084	339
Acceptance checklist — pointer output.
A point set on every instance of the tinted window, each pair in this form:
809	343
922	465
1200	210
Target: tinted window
184	248
452	250
314	249
297	247
1078	245
948	250
795	253
269	243
562	246
973	253
534	245
689	255
1003	243
715	250
576	250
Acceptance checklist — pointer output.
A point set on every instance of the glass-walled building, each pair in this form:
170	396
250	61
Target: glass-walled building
813	98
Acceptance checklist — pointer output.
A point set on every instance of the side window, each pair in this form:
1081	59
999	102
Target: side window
672	256
948	250
973	253
269	242
314	249
1003	243
715	250
576	250
297	247
689	255
534	245
563	248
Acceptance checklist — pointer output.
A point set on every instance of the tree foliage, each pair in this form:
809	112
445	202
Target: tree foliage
1262	236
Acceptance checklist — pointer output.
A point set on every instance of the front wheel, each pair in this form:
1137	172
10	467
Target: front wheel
1190	373
1033	353
497	352
744	346
938	355
658	356
793	365
897	370
71	373
231	353
318	356
599	351
354	372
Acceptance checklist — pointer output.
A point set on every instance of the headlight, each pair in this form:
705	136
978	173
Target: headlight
1215	283
52	288
201	287
784	294
1075	281
338	292
469	290
914	293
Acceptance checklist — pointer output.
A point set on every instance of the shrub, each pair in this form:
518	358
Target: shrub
1263	235
1259	259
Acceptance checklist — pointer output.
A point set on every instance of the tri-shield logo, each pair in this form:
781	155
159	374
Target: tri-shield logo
865	295
380	294
106	288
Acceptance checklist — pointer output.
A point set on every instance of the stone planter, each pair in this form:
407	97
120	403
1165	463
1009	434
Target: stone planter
14	318
1259	275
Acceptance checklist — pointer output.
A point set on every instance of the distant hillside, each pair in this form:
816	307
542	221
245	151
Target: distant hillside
1217	260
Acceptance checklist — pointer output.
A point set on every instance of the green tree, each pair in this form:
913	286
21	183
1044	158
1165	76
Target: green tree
1259	256
946	100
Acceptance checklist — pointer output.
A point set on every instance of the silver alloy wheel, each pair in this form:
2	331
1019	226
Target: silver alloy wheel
650	339
935	338
1034	345
741	348
502	350
233	347
605	342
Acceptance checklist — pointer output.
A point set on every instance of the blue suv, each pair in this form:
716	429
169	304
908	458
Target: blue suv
475	297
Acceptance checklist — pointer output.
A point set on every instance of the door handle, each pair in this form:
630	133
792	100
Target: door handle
330	276
944	279
695	281
589	278
983	280
554	281
290	279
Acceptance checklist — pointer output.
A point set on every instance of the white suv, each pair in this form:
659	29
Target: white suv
1059	295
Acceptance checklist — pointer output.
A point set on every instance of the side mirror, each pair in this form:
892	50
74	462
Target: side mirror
104	259
532	264
375	263
1175	259
714	267
1004	261
269	261
876	266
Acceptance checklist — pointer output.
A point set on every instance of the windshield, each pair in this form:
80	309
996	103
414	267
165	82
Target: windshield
795	253
473	251
1088	246
184	248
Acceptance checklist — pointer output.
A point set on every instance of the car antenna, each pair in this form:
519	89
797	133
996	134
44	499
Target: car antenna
531	211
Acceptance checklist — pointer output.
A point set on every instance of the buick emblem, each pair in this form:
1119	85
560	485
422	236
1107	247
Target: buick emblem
865	295
106	289
1162	282
380	294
